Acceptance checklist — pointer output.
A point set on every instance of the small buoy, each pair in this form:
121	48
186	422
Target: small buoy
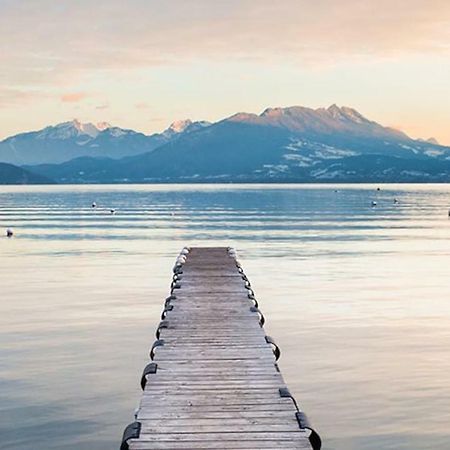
9	232
374	203
94	205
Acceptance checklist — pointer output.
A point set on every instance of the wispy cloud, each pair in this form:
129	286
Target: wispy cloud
142	33
102	106
73	97
49	47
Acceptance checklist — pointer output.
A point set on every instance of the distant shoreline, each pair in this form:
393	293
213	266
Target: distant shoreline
234	183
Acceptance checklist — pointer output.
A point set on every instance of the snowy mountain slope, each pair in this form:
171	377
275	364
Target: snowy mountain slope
69	140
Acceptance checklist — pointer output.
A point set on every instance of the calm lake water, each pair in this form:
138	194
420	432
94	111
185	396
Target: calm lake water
358	299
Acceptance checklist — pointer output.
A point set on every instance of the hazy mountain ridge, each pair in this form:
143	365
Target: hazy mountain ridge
294	144
69	140
10	174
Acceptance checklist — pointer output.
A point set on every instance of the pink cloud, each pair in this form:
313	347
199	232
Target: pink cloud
73	97
142	105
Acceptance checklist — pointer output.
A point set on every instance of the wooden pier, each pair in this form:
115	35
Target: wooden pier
213	381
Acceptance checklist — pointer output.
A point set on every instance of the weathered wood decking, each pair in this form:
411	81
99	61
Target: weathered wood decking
214	382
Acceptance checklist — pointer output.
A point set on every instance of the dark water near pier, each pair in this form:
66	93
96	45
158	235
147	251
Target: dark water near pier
358	299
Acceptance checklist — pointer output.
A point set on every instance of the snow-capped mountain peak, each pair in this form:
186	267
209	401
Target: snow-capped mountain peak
334	111
183	126
102	126
179	126
91	129
72	129
64	130
346	113
353	115
87	128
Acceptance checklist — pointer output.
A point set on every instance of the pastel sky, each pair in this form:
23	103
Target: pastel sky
143	63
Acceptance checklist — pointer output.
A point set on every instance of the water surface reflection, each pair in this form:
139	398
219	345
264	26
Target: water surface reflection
357	298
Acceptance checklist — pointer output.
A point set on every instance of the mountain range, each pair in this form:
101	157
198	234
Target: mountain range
294	144
68	140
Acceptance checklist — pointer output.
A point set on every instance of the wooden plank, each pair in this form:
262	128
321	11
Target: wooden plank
217	382
211	445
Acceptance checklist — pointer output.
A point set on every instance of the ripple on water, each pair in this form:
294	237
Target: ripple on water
357	298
